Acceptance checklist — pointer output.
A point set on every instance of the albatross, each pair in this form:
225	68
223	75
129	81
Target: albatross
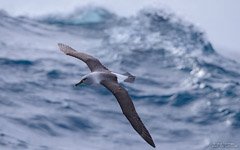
101	75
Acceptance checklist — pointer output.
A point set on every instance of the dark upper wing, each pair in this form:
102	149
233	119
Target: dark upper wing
128	109
92	62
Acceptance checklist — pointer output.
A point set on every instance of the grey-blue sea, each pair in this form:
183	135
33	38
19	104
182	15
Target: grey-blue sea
185	92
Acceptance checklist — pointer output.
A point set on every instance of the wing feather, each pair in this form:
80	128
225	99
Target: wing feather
128	109
93	63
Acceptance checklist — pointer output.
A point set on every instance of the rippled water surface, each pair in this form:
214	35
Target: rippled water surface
185	92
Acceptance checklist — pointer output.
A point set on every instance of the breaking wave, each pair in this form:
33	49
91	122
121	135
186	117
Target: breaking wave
185	92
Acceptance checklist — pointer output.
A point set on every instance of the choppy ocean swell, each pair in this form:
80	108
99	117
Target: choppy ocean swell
185	92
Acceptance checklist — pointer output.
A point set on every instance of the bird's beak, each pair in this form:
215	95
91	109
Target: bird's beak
79	83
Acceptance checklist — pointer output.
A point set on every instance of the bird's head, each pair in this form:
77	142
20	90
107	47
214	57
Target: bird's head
84	80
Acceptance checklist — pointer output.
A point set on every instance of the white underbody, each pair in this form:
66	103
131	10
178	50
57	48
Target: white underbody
96	76
120	77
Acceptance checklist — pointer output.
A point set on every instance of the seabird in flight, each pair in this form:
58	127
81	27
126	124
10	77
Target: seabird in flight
101	75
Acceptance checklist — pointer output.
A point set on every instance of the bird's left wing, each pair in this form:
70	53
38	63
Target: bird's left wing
128	109
92	62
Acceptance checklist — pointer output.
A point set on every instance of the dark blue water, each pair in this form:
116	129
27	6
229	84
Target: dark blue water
185	92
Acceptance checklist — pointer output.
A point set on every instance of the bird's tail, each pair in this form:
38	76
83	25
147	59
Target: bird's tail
130	78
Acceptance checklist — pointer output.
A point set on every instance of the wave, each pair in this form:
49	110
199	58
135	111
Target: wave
177	69
81	17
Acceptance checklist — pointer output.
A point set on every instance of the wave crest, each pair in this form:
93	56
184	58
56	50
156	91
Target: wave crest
80	17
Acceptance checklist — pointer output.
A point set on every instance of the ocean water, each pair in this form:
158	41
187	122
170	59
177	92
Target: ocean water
185	92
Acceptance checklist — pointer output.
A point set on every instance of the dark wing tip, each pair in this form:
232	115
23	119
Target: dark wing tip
65	48
151	143
147	137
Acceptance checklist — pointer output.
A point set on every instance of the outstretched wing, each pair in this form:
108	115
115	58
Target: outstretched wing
128	109
93	63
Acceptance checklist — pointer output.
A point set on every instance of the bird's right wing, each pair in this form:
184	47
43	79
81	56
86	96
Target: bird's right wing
93	63
128	109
